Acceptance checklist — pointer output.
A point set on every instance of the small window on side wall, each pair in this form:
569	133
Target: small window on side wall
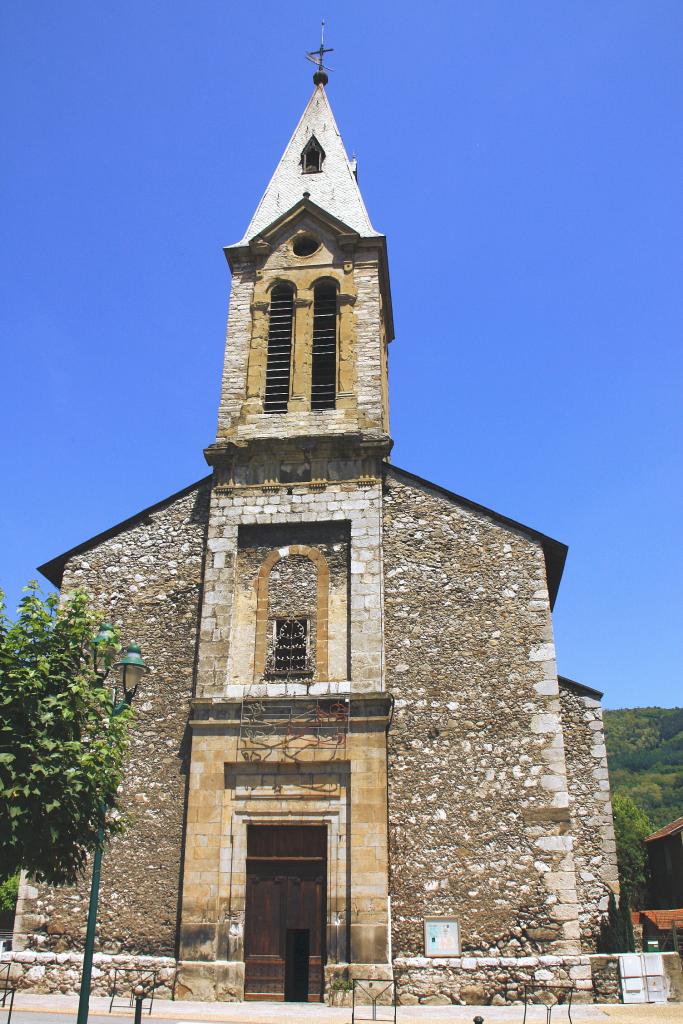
312	156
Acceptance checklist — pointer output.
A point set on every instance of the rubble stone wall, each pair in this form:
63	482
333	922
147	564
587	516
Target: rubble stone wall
478	801
61	973
605	976
237	342
595	851
490	980
146	579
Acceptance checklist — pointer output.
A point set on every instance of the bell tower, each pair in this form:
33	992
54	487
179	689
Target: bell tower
290	715
305	375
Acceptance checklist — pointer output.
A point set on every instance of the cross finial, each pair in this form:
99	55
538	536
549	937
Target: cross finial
317	56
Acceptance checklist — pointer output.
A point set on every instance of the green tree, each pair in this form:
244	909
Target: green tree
628	937
610	929
631	826
616	930
61	752
8	894
645	750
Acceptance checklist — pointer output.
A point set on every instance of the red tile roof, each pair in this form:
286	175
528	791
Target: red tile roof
661	919
669	830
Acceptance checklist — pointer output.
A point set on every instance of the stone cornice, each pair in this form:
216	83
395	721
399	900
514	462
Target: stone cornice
364	709
343	446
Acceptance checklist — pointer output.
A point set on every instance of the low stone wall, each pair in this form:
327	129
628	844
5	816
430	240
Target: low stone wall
607	987
464	981
61	972
673	971
605	974
488	980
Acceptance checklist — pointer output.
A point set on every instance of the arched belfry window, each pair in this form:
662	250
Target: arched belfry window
279	348
324	370
312	156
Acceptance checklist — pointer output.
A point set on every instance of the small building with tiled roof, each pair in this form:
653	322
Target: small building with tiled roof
665	854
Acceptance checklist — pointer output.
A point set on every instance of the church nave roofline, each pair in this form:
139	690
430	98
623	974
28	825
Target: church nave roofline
554	551
53	569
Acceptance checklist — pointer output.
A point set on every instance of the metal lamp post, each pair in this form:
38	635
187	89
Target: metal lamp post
131	668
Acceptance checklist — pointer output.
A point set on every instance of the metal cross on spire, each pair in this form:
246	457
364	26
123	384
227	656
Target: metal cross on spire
317	56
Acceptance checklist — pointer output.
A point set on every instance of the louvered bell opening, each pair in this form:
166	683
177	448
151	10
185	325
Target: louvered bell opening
279	349
323	390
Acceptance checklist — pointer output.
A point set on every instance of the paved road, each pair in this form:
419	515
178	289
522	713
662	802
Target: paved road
674	1016
62	1010
26	1017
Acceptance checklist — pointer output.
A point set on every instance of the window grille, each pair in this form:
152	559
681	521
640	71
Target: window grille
290	655
279	348
323	390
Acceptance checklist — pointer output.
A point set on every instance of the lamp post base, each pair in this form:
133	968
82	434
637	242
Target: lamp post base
84	998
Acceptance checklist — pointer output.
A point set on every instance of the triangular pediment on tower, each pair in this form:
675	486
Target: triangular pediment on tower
301	216
302	210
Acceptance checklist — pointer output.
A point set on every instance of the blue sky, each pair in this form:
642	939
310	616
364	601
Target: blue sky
525	161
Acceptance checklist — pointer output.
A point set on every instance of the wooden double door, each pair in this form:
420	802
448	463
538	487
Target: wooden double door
284	941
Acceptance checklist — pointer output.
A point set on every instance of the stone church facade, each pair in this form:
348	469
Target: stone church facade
354	741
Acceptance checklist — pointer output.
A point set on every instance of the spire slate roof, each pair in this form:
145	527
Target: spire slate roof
334	188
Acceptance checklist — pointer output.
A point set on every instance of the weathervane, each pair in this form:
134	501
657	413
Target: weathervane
316	57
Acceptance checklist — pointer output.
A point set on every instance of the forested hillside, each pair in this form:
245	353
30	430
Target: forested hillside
645	750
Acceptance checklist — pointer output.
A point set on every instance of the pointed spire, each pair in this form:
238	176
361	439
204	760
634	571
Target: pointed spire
331	183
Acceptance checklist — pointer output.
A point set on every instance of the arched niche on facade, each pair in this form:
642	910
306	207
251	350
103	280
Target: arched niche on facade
270	610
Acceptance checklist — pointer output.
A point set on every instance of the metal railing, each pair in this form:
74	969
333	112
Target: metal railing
7	990
131	983
550	996
373	1000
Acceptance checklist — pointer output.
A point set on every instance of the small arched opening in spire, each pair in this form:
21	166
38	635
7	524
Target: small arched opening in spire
312	156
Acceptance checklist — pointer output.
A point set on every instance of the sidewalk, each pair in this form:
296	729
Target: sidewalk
62	1010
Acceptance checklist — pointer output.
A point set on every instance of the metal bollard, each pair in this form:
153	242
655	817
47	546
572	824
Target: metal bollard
139	994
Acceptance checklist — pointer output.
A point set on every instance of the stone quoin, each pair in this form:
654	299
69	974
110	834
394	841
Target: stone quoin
354	726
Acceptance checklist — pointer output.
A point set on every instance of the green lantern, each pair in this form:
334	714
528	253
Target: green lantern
132	669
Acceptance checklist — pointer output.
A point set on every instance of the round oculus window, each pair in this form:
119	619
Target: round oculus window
305	245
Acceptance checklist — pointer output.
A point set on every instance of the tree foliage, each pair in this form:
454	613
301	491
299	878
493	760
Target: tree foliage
9	890
61	752
631	826
645	748
616	929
